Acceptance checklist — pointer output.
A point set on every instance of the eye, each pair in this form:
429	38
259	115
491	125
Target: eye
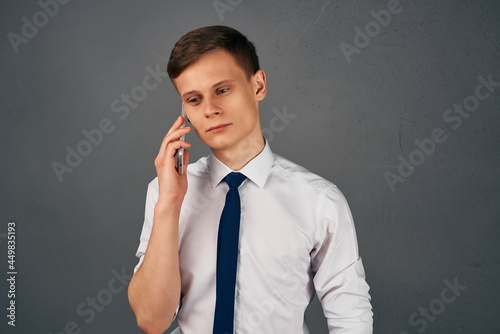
222	91
193	100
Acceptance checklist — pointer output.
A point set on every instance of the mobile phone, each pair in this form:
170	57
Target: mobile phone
180	152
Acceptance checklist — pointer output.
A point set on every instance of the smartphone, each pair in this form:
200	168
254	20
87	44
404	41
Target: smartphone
180	152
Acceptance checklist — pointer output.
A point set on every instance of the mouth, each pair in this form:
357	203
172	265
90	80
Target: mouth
219	127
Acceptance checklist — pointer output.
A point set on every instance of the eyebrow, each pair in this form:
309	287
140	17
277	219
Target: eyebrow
213	86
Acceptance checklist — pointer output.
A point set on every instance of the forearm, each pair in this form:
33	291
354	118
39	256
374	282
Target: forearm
154	290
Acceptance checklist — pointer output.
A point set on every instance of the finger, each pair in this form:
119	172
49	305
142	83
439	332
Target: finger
172	136
168	159
177	124
178	133
172	149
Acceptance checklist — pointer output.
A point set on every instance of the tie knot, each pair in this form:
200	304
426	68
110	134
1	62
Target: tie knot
234	179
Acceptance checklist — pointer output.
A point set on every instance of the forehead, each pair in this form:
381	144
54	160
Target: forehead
212	67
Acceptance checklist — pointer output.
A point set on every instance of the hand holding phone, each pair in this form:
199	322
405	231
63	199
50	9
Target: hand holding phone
172	185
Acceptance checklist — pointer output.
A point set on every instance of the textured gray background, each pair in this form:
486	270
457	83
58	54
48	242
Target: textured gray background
353	120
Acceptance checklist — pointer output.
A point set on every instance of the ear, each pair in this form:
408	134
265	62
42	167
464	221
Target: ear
259	84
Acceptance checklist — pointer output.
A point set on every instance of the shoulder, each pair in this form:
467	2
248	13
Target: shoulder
299	177
198	168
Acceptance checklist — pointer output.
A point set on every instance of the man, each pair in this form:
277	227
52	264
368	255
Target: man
294	231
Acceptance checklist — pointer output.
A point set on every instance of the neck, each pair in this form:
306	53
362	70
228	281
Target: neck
237	157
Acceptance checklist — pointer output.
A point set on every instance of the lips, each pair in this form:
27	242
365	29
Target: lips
218	127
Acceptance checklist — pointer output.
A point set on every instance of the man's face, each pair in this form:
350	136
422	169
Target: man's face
221	104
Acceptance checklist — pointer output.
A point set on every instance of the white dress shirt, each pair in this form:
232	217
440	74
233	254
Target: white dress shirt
297	237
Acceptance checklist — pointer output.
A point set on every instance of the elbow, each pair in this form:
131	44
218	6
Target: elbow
152	326
151	318
149	321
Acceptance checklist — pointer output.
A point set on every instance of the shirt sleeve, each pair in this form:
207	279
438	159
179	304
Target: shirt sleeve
339	277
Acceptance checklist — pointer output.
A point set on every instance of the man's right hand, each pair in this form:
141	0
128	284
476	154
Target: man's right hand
172	186
155	289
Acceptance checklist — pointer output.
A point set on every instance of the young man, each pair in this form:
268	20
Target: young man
292	231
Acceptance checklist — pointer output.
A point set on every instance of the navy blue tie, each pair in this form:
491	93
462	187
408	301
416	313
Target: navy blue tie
227	256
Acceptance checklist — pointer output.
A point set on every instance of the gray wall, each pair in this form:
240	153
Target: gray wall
356	118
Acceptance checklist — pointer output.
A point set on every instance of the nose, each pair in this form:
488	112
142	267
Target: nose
211	107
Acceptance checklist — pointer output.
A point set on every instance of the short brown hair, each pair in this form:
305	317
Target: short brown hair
196	43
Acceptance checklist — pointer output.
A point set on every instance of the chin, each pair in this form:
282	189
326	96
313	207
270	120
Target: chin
219	143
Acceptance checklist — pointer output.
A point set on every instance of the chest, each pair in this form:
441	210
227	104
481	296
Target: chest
276	230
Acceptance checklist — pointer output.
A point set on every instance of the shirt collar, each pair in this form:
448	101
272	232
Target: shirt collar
257	170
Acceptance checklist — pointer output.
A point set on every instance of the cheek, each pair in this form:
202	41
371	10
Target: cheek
250	113
198	133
